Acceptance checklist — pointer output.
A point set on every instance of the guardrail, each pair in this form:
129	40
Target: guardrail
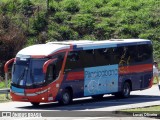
5	91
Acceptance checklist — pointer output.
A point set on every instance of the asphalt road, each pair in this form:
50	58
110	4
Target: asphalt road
89	108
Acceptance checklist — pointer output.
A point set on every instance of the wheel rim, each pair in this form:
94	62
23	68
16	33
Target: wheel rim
126	90
66	98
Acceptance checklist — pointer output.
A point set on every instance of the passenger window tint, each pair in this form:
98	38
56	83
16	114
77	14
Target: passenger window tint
123	55
74	61
144	52
104	56
73	56
88	58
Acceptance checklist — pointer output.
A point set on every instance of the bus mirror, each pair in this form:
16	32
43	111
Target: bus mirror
47	63
7	64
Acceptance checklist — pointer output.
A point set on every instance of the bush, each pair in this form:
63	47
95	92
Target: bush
83	23
40	22
67	33
26	8
60	32
54	6
60	17
103	29
10	7
71	6
105	11
89	37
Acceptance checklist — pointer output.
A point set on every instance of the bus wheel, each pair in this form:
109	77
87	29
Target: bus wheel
126	90
35	103
66	97
97	96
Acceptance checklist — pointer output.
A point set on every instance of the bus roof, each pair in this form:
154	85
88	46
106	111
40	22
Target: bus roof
41	50
51	47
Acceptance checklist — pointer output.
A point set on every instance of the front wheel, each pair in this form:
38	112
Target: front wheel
66	97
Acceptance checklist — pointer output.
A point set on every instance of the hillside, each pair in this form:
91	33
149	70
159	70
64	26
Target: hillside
26	22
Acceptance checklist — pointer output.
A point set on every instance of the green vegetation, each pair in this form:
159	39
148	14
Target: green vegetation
2	85
3	98
27	22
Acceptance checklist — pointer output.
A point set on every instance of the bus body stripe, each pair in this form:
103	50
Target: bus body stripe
17	90
135	69
97	47
136	43
75	75
122	70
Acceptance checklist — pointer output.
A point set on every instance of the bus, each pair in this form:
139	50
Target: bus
62	71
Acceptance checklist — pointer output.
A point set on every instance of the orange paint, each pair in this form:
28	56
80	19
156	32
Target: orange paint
135	69
75	75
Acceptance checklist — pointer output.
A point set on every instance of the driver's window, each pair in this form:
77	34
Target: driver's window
54	68
51	73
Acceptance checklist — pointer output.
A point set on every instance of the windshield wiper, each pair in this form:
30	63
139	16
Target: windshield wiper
22	75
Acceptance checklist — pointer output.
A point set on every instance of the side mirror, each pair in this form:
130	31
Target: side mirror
7	64
47	63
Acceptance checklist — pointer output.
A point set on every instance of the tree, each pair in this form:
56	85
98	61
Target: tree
12	39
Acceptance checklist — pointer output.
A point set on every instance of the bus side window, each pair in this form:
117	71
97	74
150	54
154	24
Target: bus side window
102	57
144	52
88	58
132	54
73	61
73	56
118	52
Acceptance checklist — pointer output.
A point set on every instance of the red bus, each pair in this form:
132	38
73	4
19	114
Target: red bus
62	71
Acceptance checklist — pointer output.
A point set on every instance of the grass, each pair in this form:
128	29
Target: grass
151	108
3	98
2	85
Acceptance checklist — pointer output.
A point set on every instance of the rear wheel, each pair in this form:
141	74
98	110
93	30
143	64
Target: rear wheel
126	90
125	93
35	103
66	97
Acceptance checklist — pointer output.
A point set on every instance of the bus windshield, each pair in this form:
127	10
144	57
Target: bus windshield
28	72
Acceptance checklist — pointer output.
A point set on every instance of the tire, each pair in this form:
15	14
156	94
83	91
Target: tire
97	97
126	90
66	97
125	93
35	103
